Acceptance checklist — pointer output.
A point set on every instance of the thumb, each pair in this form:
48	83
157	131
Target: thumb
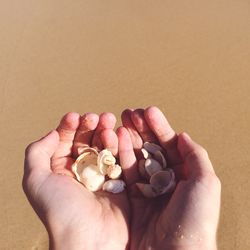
195	157
38	153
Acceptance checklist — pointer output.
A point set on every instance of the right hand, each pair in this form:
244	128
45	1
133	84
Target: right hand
188	218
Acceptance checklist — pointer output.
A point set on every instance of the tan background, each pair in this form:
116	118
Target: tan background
190	58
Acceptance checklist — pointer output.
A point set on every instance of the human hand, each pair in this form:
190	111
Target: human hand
74	217
186	219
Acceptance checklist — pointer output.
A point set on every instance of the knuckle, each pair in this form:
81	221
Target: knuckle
202	151
211	180
31	148
197	153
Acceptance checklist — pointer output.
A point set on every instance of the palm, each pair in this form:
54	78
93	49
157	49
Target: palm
179	219
166	219
101	215
100	219
156	221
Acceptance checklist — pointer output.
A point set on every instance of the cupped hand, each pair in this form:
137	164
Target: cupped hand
74	217
187	218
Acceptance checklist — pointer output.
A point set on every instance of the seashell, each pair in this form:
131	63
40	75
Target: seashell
160	183
152	166
114	171
147	190
141	168
145	153
84	149
114	186
163	181
87	158
160	158
152	147
104	160
91	178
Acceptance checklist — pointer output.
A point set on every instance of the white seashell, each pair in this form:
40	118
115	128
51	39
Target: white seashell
84	149
152	147
152	166
89	157
114	186
146	190
91	178
89	171
105	159
141	168
145	153
114	171
163	181
160	158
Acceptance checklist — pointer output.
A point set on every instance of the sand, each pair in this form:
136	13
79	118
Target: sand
190	58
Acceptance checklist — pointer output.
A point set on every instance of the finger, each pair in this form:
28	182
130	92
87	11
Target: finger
195	157
109	140
164	133
37	162
39	153
106	121
134	135
127	157
85	132
137	117
63	166
66	130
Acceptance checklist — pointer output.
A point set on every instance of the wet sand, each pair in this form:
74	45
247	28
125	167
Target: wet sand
190	58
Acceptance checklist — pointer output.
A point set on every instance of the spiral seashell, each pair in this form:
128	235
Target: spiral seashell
114	186
104	160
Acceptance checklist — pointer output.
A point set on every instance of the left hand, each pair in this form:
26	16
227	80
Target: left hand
75	218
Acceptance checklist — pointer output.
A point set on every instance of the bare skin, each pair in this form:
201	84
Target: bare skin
78	219
74	217
186	219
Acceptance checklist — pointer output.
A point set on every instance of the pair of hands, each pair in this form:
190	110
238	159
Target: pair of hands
78	219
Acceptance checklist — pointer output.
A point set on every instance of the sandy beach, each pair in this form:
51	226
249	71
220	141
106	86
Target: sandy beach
189	58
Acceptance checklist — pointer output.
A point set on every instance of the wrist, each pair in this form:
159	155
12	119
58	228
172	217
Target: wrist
65	240
203	246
